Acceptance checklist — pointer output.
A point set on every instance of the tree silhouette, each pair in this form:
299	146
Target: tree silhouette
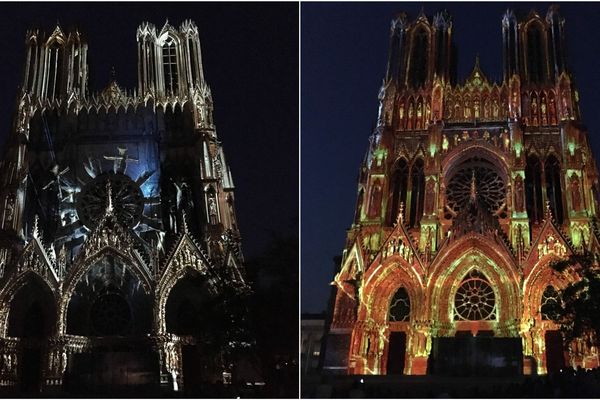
578	312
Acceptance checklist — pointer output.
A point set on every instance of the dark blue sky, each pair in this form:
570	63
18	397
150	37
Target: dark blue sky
250	55
344	55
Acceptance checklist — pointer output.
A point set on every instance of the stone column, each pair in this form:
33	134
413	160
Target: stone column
170	360
8	363
417	351
56	358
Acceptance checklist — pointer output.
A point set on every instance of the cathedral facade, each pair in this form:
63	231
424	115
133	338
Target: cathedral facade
468	191
119	244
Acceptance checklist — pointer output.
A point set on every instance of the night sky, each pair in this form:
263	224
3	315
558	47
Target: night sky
250	56
344	55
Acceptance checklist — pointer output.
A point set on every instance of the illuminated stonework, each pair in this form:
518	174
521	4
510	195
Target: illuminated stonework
117	220
468	192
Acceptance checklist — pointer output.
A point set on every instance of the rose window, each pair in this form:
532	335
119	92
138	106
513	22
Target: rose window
490	185
475	299
126	195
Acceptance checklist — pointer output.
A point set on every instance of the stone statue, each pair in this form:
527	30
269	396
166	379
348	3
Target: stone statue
519	194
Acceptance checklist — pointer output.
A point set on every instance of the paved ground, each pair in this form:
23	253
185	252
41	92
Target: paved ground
411	386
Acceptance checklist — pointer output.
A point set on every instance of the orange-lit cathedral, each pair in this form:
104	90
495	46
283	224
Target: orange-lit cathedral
120	256
466	195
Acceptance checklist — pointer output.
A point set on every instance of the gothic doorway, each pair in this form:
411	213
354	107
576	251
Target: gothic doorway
110	306
396	353
113	368
32	317
481	355
555	358
195	314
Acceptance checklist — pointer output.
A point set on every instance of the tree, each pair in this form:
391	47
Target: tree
273	276
578	312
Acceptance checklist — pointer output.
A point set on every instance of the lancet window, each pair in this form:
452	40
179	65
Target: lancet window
536	70
399	187
417	192
533	186
553	187
419	58
171	74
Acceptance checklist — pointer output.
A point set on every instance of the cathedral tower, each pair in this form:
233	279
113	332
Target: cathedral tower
466	194
118	225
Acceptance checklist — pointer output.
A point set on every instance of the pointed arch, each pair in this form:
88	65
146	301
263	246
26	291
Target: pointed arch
474	252
383	282
185	258
109	300
82	266
14	286
537	280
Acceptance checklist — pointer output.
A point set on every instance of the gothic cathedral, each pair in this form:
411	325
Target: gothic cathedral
119	245
467	193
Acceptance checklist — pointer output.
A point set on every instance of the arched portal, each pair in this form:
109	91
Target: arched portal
110	306
32	318
475	302
195	313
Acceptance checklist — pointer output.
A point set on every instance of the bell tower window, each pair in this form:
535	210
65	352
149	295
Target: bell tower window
419	59
399	186
54	71
169	53
553	187
533	186
193	59
536	59
417	192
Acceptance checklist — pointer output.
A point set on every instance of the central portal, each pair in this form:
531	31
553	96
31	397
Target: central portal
476	356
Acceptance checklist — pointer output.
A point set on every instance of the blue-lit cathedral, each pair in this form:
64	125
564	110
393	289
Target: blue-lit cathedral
120	256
